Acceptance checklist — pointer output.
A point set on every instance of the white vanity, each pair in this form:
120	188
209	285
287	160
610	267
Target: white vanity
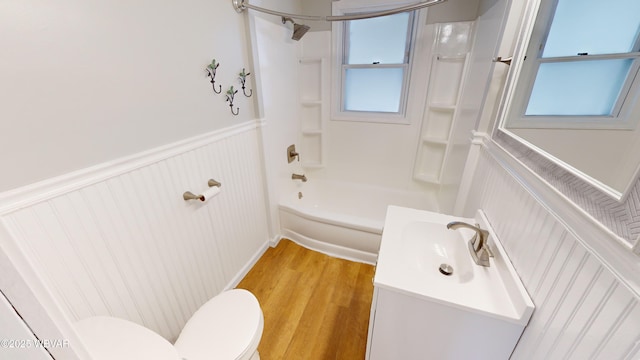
465	311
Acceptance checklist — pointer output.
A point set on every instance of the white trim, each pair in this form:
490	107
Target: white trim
337	114
520	86
515	69
466	180
25	196
247	267
614	252
275	240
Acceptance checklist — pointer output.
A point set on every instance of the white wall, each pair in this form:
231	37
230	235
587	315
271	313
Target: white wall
317	8
453	10
87	82
88	89
275	58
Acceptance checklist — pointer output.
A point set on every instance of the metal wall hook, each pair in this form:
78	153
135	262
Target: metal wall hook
213	183
230	94
211	69
243	79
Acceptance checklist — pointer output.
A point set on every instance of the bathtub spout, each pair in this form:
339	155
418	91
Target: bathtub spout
299	177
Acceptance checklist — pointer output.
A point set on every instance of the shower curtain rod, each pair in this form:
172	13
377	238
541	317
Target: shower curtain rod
241	5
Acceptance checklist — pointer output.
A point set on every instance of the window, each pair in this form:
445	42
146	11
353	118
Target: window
375	66
581	63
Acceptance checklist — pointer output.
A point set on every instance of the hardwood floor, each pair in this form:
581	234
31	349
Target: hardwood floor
315	306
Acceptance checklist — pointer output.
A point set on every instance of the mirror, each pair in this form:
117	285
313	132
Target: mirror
572	92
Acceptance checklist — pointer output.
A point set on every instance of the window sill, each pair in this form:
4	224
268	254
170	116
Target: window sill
372	118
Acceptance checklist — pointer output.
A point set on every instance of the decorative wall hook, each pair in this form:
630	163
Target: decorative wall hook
230	94
243	78
211	68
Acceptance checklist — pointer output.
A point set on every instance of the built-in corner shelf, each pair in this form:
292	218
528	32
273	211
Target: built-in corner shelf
434	140
313	110
442	107
448	68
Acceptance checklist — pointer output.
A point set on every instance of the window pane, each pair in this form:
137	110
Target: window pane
382	39
593	27
375	89
578	87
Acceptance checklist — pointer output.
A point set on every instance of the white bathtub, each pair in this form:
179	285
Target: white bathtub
342	219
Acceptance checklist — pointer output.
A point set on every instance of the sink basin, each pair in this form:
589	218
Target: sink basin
415	243
430	245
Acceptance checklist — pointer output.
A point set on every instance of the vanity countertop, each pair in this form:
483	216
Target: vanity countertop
415	243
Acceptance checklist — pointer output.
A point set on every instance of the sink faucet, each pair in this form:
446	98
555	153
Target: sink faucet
299	177
478	247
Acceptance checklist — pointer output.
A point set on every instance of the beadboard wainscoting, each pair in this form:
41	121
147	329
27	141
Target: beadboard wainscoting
585	307
119	239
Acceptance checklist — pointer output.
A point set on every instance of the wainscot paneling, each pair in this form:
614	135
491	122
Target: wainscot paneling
120	240
583	309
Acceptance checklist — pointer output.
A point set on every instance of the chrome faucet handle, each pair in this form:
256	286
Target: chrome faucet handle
487	250
292	154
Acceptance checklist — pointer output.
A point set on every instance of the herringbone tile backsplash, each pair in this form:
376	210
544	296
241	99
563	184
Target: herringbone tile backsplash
623	218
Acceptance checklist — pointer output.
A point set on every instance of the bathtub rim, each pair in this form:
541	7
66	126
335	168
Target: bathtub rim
372	227
327	217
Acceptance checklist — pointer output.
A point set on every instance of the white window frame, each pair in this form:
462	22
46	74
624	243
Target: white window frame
345	7
527	64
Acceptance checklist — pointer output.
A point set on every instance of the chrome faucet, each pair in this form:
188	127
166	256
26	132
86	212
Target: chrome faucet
299	177
478	246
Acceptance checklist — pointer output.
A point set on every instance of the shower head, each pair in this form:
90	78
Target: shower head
298	29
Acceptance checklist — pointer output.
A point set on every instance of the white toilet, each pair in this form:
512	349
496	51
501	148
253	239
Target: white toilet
229	326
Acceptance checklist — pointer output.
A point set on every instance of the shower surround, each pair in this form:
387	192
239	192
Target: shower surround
343	219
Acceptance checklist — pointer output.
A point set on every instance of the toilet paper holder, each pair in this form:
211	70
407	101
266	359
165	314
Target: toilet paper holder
188	195
213	183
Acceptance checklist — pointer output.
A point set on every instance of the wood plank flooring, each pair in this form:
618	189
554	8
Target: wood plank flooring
315	306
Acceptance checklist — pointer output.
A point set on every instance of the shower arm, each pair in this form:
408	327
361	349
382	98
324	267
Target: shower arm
241	5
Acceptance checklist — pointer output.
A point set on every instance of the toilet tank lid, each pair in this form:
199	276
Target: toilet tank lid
108	338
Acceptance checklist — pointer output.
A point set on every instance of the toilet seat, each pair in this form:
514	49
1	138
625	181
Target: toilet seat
108	338
229	327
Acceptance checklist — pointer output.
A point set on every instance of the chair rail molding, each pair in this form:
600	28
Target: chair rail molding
28	195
